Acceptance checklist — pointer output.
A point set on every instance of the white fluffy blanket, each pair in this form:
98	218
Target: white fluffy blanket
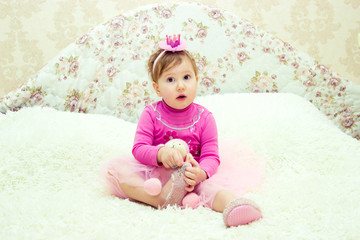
50	186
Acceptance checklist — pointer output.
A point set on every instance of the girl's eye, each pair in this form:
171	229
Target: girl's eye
187	77
170	80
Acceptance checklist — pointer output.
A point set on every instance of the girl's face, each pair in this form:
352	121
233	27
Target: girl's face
178	85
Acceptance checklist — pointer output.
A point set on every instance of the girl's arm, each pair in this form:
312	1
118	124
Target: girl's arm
143	149
209	158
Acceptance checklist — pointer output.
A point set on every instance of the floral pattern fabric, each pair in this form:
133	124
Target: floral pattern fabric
105	72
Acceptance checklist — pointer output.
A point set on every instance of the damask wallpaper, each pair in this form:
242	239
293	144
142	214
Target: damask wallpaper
34	31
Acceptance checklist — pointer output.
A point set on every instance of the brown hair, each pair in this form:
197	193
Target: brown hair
166	61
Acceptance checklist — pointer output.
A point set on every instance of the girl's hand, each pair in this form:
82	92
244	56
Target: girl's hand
170	157
193	174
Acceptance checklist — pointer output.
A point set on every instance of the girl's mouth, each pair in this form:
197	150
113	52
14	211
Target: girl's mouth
181	97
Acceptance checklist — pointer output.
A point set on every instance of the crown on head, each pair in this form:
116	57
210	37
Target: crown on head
172	45
174	42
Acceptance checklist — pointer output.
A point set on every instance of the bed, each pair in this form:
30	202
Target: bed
297	113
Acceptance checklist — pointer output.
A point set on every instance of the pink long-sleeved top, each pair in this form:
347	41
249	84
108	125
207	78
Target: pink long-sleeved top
195	125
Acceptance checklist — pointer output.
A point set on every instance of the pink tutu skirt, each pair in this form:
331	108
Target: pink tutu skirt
240	171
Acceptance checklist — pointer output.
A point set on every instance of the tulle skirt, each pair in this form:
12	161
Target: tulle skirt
240	171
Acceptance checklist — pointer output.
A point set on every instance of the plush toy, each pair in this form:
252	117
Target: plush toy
179	145
191	200
153	186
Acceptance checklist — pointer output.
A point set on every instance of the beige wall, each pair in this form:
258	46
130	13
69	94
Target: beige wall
34	31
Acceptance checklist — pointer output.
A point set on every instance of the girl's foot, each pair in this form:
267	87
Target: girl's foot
241	212
177	189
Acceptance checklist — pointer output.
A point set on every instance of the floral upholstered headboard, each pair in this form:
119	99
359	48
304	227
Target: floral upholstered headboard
105	70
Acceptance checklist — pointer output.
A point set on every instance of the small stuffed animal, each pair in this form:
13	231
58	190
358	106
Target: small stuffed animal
179	145
153	186
191	200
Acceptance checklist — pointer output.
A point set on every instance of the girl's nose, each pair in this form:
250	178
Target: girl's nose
181	85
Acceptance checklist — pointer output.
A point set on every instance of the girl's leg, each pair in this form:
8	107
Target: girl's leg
221	200
236	211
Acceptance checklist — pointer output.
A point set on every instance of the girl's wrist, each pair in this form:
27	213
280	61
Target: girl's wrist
204	175
158	156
